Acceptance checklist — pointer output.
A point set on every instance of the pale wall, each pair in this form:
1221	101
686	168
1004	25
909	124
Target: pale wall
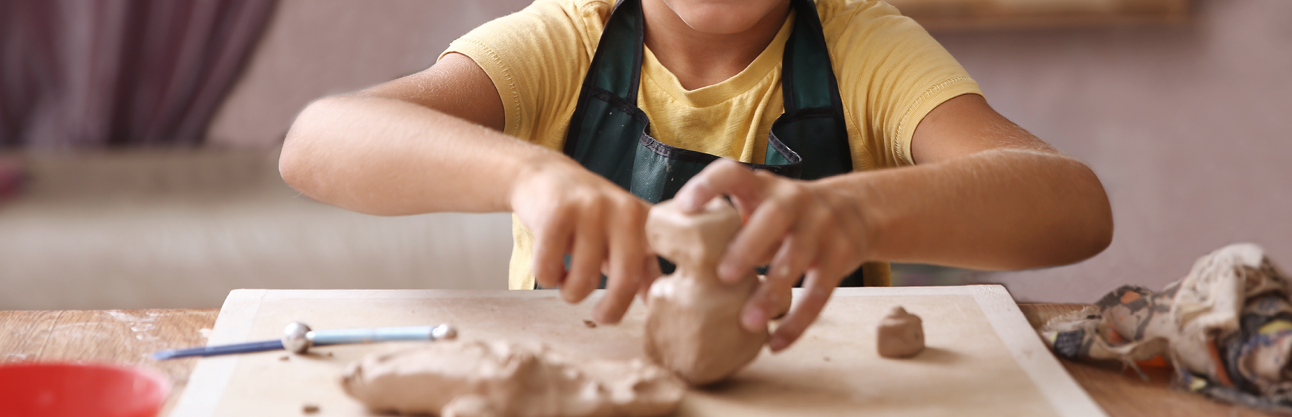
1188	127
315	48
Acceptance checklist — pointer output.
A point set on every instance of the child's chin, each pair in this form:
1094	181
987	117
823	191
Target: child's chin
719	25
719	17
717	28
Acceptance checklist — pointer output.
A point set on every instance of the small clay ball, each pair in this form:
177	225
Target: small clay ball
901	334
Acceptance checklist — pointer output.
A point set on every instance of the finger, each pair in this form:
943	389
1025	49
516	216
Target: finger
802	243
751	192
766	257
764	303
585	263
817	287
787	267
723	176
760	237
551	243
628	243
793	257
649	275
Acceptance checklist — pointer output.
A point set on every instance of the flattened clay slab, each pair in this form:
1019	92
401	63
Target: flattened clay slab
475	378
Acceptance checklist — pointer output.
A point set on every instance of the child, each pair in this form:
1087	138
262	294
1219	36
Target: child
870	144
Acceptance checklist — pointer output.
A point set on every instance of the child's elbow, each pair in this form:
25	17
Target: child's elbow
295	161
1101	235
290	167
1096	231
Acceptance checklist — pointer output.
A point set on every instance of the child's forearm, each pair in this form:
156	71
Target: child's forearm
996	209
389	157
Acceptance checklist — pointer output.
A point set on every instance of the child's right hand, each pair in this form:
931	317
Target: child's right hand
570	210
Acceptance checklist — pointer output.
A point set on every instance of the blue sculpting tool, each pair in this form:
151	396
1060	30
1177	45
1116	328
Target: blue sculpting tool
298	338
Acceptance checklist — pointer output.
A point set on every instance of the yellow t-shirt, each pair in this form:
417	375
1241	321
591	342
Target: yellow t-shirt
891	73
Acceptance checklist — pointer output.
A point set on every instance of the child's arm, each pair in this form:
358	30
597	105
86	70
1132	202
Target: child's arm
984	194
430	142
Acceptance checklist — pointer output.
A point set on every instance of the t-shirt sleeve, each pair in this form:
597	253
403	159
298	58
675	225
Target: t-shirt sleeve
536	59
891	74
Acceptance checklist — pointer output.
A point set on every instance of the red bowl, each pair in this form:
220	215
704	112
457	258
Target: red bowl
80	389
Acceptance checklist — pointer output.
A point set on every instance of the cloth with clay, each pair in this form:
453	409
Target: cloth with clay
1226	329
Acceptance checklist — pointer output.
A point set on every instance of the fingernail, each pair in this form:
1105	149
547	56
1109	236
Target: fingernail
695	207
601	317
754	318
783	270
778	343
728	272
685	201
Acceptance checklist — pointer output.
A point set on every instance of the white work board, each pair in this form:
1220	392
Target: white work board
982	359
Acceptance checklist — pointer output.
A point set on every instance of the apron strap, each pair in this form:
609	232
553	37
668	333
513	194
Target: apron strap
813	124
606	122
806	70
616	65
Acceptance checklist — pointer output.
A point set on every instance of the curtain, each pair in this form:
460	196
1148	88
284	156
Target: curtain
99	73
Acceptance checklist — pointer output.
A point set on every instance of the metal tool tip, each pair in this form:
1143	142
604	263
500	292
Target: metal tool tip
444	331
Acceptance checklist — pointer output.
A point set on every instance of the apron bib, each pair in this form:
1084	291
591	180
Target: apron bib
610	136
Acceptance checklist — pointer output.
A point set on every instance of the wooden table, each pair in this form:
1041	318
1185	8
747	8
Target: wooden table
128	337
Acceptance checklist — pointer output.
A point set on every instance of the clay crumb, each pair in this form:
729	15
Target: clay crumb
589	324
329	354
309	408
284	358
826	358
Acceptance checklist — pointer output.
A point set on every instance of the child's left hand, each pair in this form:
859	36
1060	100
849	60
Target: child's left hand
800	227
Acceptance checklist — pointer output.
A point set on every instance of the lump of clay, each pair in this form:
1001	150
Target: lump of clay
479	379
901	334
693	320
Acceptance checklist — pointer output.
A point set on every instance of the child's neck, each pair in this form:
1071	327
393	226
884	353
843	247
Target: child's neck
701	59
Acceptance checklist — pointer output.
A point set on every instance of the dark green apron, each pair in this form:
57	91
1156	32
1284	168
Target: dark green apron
610	136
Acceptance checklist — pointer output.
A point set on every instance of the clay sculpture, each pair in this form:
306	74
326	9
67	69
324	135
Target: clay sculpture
479	379
901	334
693	320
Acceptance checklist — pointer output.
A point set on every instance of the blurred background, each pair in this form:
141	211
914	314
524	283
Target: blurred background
141	138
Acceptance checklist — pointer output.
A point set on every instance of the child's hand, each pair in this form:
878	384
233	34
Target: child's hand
799	227
571	210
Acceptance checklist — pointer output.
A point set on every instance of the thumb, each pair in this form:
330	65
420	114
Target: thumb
722	177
